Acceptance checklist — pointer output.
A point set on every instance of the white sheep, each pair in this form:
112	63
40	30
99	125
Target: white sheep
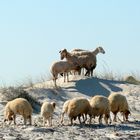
18	106
76	107
62	67
47	110
100	106
80	52
118	103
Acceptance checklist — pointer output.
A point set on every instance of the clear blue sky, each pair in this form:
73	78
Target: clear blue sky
33	31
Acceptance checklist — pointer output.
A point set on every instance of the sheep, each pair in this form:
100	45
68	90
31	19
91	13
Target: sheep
100	106
47	110
18	106
76	107
84	61
64	110
80	52
118	103
60	67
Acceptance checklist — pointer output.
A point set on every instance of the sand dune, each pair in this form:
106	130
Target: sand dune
78	86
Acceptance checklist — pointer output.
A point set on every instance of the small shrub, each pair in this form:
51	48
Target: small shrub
131	80
12	93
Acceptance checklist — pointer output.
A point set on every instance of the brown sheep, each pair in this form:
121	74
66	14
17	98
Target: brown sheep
100	106
84	61
118	103
18	106
77	107
80	52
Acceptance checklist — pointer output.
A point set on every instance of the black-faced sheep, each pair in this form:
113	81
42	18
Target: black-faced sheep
47	110
18	106
100	106
118	103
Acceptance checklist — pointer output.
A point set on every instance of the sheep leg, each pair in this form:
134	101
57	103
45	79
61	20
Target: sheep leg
64	77
71	120
30	120
100	119
106	119
85	119
24	120
54	80
90	119
79	118
50	121
87	73
67	77
14	117
62	117
125	117
44	121
115	114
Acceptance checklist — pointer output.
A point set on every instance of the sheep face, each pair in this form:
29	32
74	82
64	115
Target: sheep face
127	114
101	50
63	54
53	104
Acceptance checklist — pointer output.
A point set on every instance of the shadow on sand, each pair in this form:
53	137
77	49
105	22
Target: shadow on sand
93	86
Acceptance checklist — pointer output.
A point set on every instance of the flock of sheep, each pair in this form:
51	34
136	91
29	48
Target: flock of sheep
75	61
97	106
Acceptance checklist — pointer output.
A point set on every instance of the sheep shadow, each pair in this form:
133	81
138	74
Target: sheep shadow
114	127
93	86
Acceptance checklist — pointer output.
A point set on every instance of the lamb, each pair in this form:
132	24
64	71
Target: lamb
100	106
47	110
62	67
84	61
118	103
76	107
18	106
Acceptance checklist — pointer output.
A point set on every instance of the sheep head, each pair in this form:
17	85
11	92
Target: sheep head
53	104
101	50
126	114
63	54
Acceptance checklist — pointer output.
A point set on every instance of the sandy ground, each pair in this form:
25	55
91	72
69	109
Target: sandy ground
78	86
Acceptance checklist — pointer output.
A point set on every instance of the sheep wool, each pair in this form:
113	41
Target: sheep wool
47	110
18	106
100	106
118	103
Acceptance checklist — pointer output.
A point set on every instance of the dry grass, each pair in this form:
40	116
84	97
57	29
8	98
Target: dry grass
10	93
